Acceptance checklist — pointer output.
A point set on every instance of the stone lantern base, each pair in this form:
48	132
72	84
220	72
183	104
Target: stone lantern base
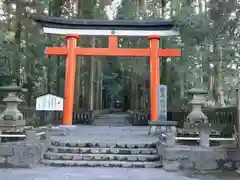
12	125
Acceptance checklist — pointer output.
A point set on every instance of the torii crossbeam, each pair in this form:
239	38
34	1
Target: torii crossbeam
72	29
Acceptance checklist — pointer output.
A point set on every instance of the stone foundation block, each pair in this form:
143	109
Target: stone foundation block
171	165
175	153
57	131
25	155
198	158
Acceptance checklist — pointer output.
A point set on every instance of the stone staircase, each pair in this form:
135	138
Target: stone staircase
70	153
114	119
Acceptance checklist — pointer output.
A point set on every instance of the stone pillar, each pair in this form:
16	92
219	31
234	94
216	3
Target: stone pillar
204	138
170	140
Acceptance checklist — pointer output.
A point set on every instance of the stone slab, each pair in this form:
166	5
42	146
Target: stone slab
99	144
58	131
163	123
197	158
95	150
124	164
108	134
101	157
68	127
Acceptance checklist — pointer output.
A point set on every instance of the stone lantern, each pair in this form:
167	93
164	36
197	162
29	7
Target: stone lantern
196	119
196	116
11	119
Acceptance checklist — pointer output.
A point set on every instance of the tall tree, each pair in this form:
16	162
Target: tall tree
16	64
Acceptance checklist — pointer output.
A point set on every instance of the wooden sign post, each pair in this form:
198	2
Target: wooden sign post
73	28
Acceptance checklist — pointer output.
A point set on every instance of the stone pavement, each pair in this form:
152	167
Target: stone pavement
110	134
51	173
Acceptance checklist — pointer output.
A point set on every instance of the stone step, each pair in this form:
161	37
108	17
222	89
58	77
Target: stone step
111	122
100	157
124	164
116	125
102	145
82	150
111	117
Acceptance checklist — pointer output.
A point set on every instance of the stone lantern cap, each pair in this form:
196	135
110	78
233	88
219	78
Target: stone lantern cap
13	88
198	96
197	91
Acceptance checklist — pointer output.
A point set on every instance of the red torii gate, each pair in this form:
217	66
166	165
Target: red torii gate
73	28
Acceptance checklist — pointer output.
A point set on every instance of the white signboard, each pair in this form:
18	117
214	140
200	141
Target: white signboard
49	102
162	102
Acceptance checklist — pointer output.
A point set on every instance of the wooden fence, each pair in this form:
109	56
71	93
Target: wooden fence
219	118
36	118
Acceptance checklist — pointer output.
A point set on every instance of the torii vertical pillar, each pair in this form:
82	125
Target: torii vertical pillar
69	79
154	75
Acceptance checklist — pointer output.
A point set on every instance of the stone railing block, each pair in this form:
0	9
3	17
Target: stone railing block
31	135
6	149
24	154
167	139
170	139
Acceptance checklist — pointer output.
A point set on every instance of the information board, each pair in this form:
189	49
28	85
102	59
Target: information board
49	102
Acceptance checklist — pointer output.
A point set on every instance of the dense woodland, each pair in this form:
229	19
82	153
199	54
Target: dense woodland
209	41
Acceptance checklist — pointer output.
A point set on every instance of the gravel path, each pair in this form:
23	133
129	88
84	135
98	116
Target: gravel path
51	173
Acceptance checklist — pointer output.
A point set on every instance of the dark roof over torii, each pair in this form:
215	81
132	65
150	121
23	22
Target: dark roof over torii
59	22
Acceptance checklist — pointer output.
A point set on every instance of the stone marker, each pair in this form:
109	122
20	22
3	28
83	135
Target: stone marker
162	102
162	125
25	154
